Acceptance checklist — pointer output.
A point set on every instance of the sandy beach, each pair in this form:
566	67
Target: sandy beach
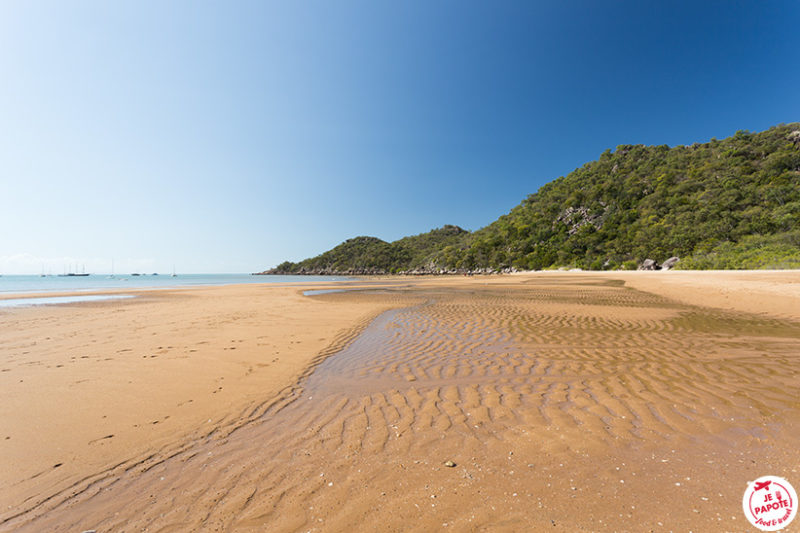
566	401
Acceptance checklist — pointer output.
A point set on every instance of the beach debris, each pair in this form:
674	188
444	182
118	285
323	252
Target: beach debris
449	464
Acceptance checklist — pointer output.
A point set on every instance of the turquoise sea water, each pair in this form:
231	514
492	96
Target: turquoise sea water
53	300
24	284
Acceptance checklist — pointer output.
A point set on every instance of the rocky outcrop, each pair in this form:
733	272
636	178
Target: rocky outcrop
649	264
669	263
324	272
456	271
577	217
422	271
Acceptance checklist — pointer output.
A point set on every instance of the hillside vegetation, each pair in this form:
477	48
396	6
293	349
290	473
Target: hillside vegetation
730	204
370	255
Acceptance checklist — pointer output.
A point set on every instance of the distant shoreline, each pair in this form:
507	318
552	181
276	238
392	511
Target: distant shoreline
27	284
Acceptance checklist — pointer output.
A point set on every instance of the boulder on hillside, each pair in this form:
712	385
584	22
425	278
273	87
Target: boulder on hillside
649	264
669	263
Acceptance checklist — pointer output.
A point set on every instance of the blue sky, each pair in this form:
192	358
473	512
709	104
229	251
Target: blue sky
230	136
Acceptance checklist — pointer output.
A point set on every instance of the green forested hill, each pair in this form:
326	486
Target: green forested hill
732	203
370	255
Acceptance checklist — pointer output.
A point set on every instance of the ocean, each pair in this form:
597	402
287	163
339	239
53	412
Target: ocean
25	284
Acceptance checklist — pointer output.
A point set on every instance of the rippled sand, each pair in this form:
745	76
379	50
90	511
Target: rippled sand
565	402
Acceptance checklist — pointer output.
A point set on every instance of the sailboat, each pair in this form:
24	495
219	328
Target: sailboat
174	275
82	273
112	270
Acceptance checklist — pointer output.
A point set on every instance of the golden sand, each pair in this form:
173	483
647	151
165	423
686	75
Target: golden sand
563	401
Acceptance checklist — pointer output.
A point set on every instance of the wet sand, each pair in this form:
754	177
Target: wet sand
566	401
90	385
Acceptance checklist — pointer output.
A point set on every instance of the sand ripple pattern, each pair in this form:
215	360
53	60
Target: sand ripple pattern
551	373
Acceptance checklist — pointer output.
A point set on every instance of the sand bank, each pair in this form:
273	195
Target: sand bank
772	292
564	401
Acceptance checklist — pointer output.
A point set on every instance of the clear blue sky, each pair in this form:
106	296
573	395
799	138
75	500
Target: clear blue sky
229	136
